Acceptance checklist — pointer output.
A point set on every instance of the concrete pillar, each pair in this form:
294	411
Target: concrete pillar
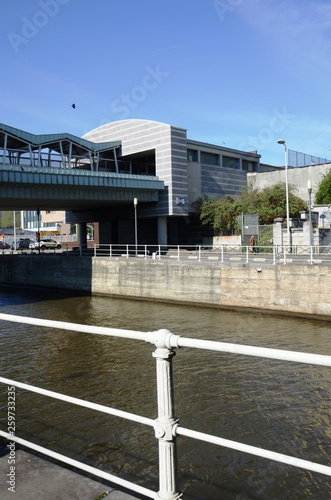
306	233
162	230
82	236
278	232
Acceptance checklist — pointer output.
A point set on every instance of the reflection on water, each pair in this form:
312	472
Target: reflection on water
281	406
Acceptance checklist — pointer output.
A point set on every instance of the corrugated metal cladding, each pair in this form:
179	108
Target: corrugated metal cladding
212	170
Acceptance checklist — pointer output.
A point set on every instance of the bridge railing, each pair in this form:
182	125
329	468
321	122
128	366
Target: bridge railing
166	426
219	253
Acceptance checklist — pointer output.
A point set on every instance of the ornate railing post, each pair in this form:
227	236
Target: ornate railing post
166	423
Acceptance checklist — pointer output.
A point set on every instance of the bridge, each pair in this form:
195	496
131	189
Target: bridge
65	172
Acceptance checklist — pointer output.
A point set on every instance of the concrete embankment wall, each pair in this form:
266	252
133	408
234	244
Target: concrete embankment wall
287	289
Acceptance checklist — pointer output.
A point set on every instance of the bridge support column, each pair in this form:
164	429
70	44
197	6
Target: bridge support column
162	230
82	236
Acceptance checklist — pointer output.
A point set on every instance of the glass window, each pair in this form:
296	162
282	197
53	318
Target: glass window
249	166
230	162
210	158
192	155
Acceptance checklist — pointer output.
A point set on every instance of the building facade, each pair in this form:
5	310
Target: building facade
95	179
189	169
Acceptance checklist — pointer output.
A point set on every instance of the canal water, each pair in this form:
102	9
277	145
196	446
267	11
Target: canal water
280	406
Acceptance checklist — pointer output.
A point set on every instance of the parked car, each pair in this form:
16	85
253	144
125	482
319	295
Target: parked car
45	243
21	244
4	246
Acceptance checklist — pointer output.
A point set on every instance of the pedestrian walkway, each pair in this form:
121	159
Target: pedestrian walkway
38	478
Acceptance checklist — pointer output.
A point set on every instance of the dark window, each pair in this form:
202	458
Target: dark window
192	155
229	162
210	158
249	166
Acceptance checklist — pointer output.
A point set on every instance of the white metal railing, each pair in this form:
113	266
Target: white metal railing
166	426
300	254
217	254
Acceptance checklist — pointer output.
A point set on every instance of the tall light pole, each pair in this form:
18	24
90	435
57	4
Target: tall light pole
309	189
281	141
14	221
135	203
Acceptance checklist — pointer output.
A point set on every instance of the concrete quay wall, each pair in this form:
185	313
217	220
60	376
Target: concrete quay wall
302	290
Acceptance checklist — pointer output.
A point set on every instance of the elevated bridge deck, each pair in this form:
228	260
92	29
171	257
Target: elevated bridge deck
27	187
65	172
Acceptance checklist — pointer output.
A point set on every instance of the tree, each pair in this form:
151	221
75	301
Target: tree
7	219
323	195
268	203
220	214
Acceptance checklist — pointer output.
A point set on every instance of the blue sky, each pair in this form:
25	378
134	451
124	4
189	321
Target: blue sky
239	73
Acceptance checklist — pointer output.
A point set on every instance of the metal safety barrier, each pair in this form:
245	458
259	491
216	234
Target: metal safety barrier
166	426
219	254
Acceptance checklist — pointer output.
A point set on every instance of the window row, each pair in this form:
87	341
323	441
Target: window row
227	161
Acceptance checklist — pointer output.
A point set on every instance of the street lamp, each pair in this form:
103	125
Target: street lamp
135	203
14	229
309	189
281	141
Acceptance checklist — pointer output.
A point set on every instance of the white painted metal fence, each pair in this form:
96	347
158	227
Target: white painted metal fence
220	254
166	426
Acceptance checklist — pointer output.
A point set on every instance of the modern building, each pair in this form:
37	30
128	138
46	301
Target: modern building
151	162
189	169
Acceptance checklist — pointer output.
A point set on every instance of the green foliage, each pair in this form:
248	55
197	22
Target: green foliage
323	195
220	214
7	220
103	495
268	203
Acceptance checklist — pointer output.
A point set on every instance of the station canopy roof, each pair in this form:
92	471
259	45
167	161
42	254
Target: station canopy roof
19	140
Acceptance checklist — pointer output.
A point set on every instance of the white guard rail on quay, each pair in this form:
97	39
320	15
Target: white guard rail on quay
166	426
219	254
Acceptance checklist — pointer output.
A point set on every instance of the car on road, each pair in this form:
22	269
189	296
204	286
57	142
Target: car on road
21	244
45	243
4	246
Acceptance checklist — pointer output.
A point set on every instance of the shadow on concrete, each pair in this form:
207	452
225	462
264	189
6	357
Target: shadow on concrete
39	476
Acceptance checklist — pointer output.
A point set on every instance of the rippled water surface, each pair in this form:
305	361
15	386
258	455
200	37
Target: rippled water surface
281	406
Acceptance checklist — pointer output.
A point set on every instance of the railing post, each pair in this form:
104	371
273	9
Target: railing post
166	423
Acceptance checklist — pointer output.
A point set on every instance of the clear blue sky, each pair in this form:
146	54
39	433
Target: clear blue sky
239	73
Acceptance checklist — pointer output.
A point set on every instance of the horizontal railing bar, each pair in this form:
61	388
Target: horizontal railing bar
177	341
75	327
253	450
79	465
247	350
80	402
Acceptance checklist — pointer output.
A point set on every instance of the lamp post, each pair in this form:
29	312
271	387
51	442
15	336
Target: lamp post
14	221
281	141
135	203
309	189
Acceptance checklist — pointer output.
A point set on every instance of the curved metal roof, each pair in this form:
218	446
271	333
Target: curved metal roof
19	139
